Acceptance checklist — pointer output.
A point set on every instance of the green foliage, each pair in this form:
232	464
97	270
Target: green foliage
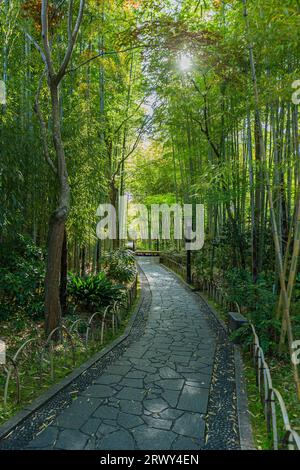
120	265
94	291
258	301
202	263
32	386
21	278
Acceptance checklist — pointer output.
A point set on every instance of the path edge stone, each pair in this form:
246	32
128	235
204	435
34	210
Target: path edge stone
244	422
245	428
39	402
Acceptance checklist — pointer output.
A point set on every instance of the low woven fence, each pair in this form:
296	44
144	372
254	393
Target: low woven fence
75	337
279	429
278	424
177	265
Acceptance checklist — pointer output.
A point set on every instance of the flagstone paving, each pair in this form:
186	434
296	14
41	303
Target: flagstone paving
156	394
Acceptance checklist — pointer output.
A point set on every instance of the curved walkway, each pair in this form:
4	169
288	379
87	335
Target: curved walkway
158	394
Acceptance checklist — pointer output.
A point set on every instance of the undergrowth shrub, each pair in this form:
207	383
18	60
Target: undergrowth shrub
120	265
258	301
22	274
94	291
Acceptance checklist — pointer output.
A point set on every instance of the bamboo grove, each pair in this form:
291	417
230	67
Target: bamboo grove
101	102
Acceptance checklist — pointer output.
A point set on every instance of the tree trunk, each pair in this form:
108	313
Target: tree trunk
98	254
52	280
82	269
64	275
57	223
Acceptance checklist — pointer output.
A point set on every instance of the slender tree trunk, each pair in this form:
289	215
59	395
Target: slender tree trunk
58	219
57	224
52	280
98	254
64	275
83	259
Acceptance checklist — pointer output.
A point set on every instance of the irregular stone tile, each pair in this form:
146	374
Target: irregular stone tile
135	353
155	405
71	439
171	384
91	444
108	379
171	396
187	443
171	413
131	407
197	365
183	370
46	439
135	383
129	421
78	413
106	412
112	401
180	352
119	369
158	423
204	382
91	426
136	374
193	399
197	377
191	425
146	368
105	429
168	373
151	378
128	393
150	395
153	439
181	360
119	440
99	391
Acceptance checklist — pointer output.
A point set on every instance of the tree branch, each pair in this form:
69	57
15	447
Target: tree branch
38	112
129	117
70	21
72	38
38	47
136	143
45	37
103	54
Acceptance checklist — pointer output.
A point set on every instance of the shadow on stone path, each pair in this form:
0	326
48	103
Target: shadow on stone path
156	394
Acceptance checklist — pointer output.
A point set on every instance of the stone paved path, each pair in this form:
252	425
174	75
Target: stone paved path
155	396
